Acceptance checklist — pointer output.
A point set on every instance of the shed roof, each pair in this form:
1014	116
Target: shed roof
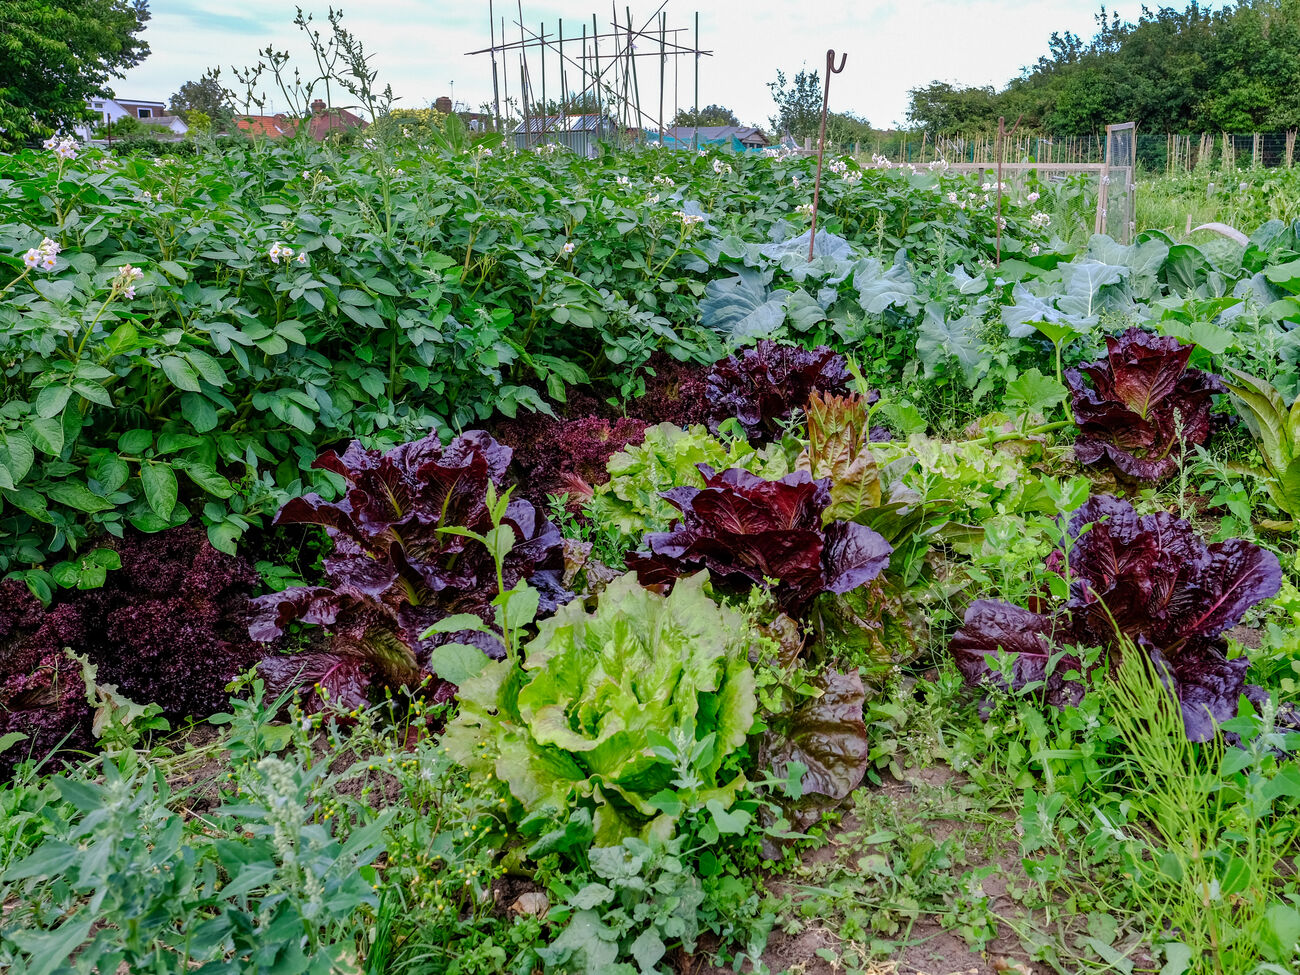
717	133
563	123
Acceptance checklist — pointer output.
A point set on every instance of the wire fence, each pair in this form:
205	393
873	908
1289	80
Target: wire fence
1155	152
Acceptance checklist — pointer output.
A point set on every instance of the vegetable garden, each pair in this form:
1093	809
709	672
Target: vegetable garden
461	560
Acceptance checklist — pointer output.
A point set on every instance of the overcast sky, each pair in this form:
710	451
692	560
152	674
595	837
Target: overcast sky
419	45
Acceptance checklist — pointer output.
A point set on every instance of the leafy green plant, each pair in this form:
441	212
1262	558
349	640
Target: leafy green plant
634	711
1144	580
644	899
1207	871
292	884
1276	429
669	457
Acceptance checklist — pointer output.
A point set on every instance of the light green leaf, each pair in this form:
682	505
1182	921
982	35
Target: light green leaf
457	663
457	623
199	411
92	391
729	822
206	478
135	442
939	339
46	434
74	494
1032	392
16	454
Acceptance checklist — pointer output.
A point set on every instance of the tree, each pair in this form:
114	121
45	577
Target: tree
56	54
207	95
709	115
798	106
1234	68
847	128
125	127
942	108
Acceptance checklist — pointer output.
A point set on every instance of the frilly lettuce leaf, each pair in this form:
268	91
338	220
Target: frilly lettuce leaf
582	722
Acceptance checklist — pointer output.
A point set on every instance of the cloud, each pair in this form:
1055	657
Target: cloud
214	22
419	46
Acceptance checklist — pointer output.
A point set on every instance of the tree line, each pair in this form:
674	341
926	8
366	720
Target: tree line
1235	69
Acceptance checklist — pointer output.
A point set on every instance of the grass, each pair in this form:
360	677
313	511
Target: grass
1242	198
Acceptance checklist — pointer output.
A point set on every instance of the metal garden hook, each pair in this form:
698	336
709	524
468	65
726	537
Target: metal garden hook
821	143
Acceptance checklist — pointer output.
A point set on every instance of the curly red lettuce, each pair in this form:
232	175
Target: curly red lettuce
746	530
398	566
1147	579
1139	408
168	627
764	386
42	688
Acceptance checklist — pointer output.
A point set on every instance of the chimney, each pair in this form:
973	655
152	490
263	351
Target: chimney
443	105
317	107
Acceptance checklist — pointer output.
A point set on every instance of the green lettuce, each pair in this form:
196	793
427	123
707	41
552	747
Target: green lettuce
970	483
667	459
631	711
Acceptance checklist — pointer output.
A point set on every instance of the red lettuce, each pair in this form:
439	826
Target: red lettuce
745	530
565	456
1147	578
1130	405
170	626
764	386
167	628
42	688
395	569
825	733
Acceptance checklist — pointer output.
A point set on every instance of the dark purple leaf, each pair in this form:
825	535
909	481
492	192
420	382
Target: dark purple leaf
169	627
745	529
995	629
854	555
763	386
394	571
1156	580
1208	686
1140	406
827	734
1149	579
1236	576
344	679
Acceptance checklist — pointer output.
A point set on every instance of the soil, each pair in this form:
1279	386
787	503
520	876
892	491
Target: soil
202	776
930	950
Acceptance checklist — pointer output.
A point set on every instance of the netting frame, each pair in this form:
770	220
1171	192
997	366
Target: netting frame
1117	203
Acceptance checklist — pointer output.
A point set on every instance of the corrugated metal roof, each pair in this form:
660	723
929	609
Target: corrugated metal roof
564	123
717	133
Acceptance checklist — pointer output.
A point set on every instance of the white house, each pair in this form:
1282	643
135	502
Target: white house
150	113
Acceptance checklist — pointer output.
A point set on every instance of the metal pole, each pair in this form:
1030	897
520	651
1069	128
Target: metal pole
523	75
663	63
821	143
496	92
695	138
595	48
636	84
1002	135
